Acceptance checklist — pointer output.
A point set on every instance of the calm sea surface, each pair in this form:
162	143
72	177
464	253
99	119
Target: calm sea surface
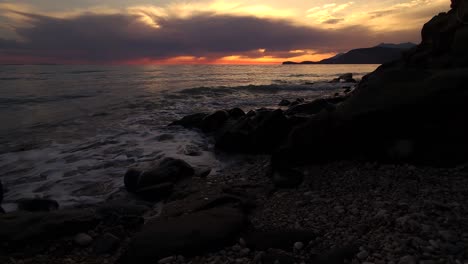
69	132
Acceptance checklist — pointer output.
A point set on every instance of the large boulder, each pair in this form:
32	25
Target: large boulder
185	235
412	110
157	182
24	228
258	132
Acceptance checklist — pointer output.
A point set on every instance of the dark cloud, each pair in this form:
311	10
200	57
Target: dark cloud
333	21
120	37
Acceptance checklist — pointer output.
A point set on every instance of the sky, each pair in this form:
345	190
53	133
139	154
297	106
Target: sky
203	32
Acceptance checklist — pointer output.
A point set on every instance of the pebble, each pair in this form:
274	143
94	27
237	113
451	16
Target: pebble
83	239
242	242
298	245
245	252
363	255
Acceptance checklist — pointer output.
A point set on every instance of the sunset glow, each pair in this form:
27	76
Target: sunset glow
224	32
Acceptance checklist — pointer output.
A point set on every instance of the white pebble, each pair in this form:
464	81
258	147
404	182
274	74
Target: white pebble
298	245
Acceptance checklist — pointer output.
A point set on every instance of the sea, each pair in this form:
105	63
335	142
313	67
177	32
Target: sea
69	133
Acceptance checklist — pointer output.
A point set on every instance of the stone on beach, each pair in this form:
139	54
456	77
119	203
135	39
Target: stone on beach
157	182
186	235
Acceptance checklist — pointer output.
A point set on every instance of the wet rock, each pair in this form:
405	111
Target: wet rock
83	239
105	244
284	102
37	205
236	113
313	107
191	234
214	121
190	121
258	132
20	228
347	77
156	183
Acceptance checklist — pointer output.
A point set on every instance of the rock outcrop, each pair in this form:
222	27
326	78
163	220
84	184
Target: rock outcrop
411	110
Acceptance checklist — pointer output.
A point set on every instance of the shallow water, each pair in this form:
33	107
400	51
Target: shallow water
69	132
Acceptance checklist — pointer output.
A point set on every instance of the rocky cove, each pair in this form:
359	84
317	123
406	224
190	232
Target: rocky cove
375	175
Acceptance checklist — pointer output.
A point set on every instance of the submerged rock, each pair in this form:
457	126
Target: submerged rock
186	235
284	102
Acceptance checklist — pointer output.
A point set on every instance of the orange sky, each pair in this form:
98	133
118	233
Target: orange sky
167	32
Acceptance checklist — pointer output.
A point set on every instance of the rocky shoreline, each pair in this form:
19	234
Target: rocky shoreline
374	175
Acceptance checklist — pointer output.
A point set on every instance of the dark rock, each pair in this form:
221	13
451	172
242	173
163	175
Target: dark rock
287	178
280	239
122	208
186	235
155	192
347	90
190	121
168	171
284	102
313	107
37	205
411	110
1	210
347	77
131	179
236	113
105	244
214	121
203	173
297	101
199	202
21	228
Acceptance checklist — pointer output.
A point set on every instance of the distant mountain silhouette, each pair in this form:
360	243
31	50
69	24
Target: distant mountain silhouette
379	54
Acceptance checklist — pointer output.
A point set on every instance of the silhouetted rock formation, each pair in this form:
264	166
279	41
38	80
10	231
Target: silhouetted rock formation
380	54
410	110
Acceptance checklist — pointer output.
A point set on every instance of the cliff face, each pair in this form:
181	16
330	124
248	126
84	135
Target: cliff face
411	110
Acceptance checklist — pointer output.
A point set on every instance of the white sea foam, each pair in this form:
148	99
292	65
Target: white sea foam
70	134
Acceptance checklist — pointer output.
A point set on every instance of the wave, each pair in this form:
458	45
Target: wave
85	71
39	100
21	78
271	88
